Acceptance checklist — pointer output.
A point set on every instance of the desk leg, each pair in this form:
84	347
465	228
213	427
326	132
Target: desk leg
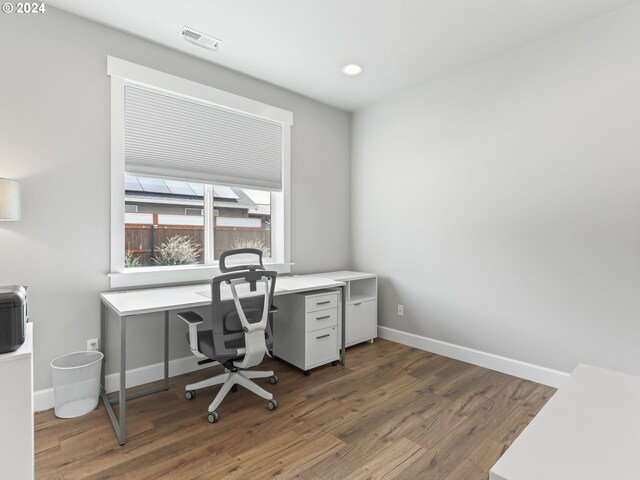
122	430
343	348
102	344
118	425
166	350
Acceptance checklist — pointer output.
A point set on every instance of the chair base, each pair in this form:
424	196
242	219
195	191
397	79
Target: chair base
228	380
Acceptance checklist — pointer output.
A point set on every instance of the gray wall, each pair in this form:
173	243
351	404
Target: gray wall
54	139
518	178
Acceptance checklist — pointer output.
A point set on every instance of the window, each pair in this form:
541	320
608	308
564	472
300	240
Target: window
195	171
159	232
168	228
242	221
193	211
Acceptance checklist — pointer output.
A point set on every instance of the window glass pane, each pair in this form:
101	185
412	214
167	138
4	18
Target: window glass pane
164	221
164	224
242	219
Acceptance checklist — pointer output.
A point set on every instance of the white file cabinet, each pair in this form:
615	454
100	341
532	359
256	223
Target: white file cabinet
361	324
16	411
306	329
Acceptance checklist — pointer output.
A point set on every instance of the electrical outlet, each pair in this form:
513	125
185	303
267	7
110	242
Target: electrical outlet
93	345
400	310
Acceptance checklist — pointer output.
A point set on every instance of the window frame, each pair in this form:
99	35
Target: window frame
122	72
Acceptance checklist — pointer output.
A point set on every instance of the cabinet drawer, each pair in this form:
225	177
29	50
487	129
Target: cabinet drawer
322	319
321	302
321	347
362	322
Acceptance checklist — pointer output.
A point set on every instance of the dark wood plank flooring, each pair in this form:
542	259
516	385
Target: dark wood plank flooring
393	412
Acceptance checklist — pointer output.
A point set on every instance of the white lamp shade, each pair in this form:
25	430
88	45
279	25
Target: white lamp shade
9	200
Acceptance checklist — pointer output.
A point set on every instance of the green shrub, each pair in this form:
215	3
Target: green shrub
177	250
131	260
257	244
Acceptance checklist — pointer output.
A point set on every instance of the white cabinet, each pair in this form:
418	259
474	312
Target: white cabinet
16	411
361	324
305	329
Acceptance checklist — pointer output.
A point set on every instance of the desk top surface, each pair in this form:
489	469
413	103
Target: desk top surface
589	429
345	275
150	300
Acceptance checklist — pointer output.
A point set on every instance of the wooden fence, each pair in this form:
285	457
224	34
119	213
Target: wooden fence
143	239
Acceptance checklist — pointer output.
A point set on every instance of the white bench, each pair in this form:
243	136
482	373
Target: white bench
590	429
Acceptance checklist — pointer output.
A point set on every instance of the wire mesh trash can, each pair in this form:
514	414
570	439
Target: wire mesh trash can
76	383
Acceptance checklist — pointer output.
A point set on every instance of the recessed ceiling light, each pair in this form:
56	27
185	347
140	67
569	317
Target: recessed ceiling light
352	69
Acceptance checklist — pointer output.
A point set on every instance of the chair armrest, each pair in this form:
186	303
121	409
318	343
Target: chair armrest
193	320
190	318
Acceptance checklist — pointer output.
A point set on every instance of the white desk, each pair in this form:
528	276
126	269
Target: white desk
590	429
129	304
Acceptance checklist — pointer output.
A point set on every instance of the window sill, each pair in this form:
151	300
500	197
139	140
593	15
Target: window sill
152	276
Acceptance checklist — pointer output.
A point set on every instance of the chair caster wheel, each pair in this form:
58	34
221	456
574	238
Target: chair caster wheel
334	363
272	404
213	417
307	373
273	379
189	394
234	388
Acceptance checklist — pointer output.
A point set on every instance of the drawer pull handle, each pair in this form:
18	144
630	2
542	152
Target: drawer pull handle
323	318
356	304
323	336
323	303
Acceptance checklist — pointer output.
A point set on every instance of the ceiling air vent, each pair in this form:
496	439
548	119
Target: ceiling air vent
200	39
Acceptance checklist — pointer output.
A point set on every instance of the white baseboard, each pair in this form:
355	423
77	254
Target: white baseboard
528	371
43	399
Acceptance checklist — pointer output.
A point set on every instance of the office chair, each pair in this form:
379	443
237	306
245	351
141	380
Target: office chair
241	332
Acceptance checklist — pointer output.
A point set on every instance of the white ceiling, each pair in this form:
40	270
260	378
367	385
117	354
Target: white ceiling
302	44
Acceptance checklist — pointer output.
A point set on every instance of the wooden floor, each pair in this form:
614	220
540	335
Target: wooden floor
393	412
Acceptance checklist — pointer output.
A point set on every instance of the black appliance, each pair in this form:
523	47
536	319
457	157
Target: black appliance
13	317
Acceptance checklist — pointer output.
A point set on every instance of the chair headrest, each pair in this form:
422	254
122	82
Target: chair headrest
240	251
251	277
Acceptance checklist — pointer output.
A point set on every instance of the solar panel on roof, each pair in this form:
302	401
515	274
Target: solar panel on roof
198	188
132	184
224	192
179	188
153	185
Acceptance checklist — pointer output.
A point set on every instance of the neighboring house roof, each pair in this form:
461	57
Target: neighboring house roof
154	190
260	210
225	201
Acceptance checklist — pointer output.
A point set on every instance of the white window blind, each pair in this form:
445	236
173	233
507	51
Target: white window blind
178	137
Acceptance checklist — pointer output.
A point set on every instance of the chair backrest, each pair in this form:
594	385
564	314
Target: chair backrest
241	327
